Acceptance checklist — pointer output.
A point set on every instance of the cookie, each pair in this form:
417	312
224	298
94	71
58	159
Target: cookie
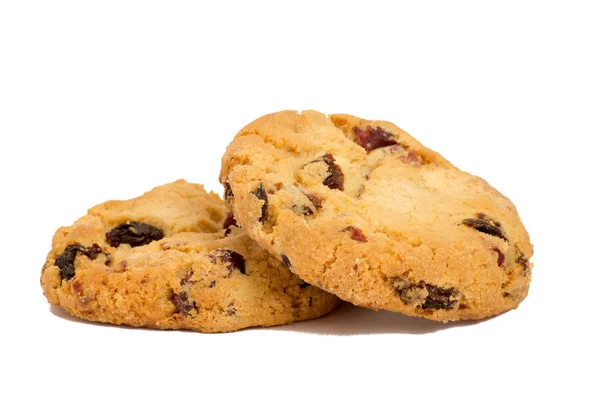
173	259
363	210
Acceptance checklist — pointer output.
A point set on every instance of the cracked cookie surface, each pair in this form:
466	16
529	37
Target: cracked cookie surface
173	259
363	210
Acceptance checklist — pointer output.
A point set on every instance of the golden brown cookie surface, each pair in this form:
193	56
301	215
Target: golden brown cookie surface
363	210
165	260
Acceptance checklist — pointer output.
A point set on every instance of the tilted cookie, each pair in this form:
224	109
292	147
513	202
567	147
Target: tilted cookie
171	259
363	210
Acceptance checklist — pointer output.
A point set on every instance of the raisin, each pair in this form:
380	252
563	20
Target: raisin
82	299
305	209
121	266
286	261
228	192
94	250
230	311
501	257
186	279
424	295
232	259
304	285
134	234
230	220
397	148
356	233
486	225
77	288
108	259
439	299
371	139
275	188
302	210
261	194
66	261
335	176
238	262
316	199
182	303
412	158
523	262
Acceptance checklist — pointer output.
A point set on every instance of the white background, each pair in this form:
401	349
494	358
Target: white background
104	100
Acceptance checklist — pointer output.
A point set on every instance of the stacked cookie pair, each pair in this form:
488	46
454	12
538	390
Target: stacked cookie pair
316	207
